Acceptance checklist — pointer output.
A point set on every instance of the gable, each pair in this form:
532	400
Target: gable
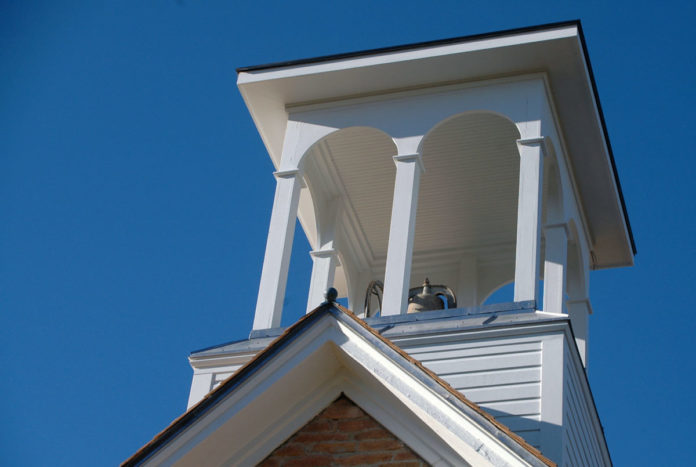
327	353
342	434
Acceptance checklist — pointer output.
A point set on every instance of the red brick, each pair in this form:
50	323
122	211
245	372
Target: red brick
342	434
356	424
404	454
380	445
269	463
319	436
341	412
374	433
334	447
309	461
319	425
290	450
415	463
363	458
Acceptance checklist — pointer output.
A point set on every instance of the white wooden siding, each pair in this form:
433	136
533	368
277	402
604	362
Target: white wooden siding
582	445
220	377
502	375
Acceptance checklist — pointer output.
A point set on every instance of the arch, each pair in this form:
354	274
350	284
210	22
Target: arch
344	171
308	135
468	192
316	188
498	288
455	116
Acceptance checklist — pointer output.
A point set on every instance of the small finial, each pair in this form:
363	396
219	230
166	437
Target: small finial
331	295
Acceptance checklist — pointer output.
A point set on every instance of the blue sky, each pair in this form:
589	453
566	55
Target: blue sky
135	196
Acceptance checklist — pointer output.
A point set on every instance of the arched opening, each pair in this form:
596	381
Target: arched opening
350	178
503	294
466	222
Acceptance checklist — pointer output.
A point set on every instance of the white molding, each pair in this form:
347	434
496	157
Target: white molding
323	253
287	173
410	158
294	385
398	94
415	54
540	140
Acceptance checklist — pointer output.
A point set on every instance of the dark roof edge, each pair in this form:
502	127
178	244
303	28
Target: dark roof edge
430	379
195	412
415	45
606	136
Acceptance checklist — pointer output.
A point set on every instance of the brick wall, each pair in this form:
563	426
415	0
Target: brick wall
342	434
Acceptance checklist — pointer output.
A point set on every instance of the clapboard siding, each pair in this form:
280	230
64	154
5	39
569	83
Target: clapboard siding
582	443
220	377
502	375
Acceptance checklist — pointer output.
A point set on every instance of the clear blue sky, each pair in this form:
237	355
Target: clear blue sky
135	195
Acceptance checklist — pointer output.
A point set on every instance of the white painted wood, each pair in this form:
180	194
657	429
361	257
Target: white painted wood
325	259
323	272
467	290
200	386
583	440
527	254
401	232
551	430
275	95
527	377
328	358
579	312
276	262
555	266
502	374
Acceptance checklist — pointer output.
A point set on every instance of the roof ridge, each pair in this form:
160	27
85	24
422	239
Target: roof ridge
502	427
227	385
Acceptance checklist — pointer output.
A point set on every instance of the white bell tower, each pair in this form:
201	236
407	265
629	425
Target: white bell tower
475	162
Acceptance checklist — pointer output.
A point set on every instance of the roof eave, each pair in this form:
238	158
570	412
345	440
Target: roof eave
269	89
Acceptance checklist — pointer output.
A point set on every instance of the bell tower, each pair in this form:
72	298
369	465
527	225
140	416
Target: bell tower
474	163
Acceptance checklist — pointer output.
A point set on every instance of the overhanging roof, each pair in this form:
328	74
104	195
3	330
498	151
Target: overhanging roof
383	347
557	49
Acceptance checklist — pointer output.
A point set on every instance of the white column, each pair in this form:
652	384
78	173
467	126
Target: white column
274	276
529	219
323	272
579	312
555	266
401	232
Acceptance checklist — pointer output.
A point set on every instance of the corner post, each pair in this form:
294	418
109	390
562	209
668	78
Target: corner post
323	271
555	266
397	277
276	262
579	312
527	254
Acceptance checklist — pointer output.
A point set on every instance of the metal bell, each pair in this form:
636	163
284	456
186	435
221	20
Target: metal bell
424	301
